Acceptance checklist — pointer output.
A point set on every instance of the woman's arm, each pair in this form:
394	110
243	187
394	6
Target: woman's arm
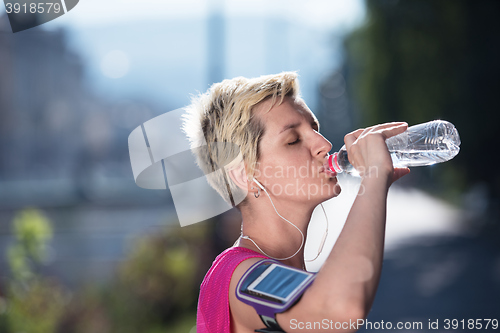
358	252
345	287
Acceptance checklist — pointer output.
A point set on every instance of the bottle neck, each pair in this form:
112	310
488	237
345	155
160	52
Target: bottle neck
333	163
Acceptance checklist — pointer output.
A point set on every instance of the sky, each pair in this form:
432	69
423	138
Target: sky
326	14
112	37
157	50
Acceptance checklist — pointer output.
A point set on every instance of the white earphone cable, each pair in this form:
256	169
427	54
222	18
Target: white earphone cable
301	233
322	243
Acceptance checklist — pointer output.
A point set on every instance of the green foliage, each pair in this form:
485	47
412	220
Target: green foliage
35	304
36	308
419	60
405	56
158	281
155	288
32	232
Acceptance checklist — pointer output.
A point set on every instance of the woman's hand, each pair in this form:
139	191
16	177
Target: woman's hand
368	153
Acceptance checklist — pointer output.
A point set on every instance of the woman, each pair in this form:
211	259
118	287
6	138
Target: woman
276	182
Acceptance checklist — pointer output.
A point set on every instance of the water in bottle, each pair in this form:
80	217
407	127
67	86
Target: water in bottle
424	144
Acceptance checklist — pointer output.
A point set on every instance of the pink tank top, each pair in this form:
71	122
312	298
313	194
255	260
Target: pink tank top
213	304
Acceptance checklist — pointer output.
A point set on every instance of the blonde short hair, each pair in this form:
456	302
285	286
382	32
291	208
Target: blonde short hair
224	114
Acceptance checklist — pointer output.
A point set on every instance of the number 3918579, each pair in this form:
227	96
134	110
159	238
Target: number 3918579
40	8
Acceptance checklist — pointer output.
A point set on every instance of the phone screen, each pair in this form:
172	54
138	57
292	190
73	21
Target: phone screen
279	282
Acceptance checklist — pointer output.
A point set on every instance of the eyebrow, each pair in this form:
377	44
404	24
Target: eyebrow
289	126
314	124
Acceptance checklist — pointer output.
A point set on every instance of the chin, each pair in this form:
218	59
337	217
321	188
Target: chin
333	192
333	188
337	190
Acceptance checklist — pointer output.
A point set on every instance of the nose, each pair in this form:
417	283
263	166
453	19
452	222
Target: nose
321	146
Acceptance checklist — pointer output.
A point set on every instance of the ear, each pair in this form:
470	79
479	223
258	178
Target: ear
239	176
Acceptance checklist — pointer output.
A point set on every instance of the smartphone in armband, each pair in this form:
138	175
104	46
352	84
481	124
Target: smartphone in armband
271	287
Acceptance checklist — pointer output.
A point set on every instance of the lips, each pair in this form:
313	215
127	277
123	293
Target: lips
331	173
327	171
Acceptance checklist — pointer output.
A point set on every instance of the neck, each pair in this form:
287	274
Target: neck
276	237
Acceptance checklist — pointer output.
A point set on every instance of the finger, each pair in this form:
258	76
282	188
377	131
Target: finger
351	137
384	126
394	130
381	127
399	172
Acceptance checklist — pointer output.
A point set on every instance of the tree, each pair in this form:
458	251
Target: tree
419	60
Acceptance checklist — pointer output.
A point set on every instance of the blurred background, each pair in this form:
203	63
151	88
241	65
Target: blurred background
84	249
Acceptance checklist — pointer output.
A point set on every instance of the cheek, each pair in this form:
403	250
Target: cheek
286	169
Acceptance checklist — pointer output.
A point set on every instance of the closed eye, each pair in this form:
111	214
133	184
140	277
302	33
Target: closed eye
295	142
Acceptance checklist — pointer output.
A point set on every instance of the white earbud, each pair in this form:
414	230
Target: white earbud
258	184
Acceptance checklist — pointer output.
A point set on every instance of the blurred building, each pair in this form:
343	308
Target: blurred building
41	99
64	150
57	140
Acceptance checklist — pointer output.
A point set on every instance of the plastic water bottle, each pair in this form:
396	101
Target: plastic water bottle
424	144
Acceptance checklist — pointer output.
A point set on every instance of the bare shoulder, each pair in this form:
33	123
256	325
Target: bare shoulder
244	318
